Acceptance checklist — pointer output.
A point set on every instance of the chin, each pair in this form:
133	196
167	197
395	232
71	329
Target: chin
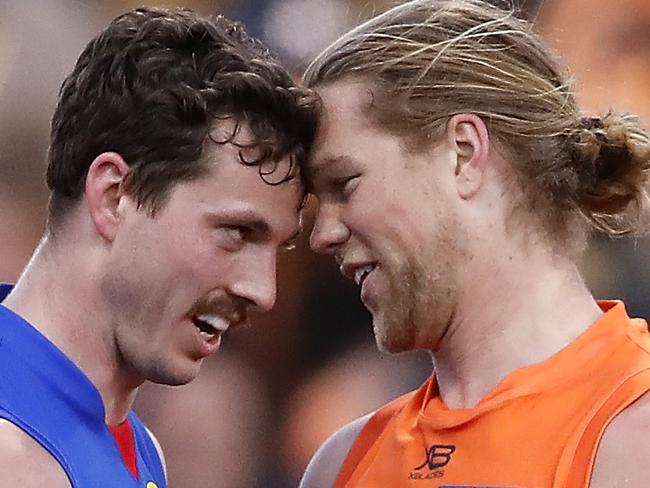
392	338
174	375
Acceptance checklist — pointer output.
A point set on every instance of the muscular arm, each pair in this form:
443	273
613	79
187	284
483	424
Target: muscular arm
326	463
623	458
24	463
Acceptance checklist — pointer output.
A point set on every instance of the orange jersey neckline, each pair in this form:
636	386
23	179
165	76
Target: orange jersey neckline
539	427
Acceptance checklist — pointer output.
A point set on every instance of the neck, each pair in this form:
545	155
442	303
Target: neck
63	303
542	306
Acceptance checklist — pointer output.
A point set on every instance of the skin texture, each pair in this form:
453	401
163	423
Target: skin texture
137	279
326	463
25	464
213	247
621	461
442	230
411	281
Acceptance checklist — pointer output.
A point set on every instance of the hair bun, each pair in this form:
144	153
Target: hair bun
612	156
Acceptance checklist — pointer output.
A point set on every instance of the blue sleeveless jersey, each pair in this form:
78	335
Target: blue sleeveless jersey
50	398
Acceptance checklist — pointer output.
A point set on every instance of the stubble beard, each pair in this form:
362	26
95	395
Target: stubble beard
410	318
422	299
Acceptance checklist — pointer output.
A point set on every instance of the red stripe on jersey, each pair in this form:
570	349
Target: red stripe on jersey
123	435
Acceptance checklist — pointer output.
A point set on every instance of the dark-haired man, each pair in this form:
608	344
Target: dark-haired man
174	170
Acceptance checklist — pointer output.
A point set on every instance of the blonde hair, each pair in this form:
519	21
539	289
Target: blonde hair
427	60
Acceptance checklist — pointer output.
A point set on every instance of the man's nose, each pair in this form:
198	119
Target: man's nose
329	232
257	280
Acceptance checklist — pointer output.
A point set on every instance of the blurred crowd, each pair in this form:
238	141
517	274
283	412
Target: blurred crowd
275	391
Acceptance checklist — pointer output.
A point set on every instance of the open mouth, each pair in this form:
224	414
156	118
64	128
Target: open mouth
210	326
362	273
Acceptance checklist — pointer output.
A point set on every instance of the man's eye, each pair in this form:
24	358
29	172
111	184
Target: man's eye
346	184
235	232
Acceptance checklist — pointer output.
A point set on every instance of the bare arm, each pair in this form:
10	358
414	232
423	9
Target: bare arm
324	467
24	463
623	458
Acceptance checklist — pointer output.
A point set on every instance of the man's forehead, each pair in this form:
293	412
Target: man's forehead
343	117
346	96
235	138
228	128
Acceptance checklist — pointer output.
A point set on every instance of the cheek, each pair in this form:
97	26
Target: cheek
185	251
398	207
396	225
195	267
155	272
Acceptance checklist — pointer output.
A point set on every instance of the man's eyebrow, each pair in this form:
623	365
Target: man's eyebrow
244	218
327	163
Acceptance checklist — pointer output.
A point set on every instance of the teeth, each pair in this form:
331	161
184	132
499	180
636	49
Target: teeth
361	273
215	321
206	336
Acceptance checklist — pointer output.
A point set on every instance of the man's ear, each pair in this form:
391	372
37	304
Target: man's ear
104	184
468	137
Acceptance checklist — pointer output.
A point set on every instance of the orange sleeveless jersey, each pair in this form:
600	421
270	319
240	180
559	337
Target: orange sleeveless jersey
539	428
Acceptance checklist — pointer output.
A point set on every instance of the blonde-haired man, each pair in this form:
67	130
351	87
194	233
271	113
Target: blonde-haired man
457	183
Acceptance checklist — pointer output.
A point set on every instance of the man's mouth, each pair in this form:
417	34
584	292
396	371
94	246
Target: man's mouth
210	326
358	271
360	274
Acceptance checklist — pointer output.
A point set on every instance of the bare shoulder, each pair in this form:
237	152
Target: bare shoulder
326	463
624	452
25	463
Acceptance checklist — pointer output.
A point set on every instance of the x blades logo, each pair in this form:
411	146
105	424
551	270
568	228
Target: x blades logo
436	457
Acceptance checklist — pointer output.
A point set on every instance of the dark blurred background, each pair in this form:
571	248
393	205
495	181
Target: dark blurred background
275	391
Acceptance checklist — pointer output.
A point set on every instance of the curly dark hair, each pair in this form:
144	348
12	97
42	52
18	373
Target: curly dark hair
151	86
